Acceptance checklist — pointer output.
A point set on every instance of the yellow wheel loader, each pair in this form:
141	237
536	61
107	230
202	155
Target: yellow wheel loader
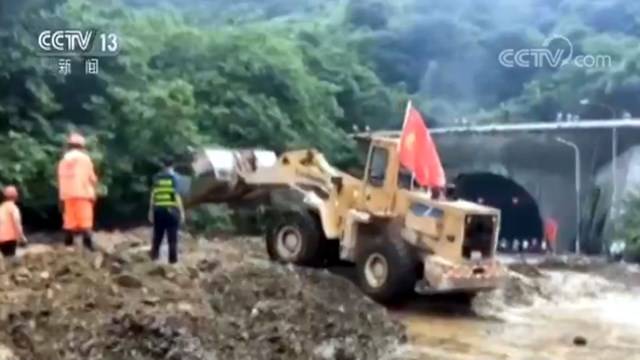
401	238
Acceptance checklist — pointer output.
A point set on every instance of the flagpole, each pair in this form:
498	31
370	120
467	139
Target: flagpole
404	123
406	114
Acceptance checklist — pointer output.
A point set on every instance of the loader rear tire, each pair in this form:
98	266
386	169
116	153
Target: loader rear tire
296	238
386	268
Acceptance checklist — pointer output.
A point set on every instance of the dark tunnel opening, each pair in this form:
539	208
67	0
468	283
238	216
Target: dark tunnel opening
521	228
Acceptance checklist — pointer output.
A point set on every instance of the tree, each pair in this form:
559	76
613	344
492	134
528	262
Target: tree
284	74
629	226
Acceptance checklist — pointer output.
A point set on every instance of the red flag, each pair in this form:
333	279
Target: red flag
418	152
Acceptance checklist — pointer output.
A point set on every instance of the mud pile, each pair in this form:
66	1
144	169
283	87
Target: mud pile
557	280
518	290
617	272
225	301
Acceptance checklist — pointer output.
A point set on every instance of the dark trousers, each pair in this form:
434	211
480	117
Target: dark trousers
165	221
87	239
8	248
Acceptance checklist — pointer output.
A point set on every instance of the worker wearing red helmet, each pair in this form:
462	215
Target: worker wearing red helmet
77	183
10	223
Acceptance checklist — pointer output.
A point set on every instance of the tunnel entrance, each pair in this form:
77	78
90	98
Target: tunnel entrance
521	228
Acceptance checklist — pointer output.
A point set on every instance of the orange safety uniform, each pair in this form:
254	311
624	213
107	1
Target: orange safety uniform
77	190
551	232
10	222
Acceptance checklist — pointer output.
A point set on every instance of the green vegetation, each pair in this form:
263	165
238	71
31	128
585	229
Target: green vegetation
629	227
286	73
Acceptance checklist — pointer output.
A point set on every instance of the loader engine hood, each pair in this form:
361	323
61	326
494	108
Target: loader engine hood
458	230
455	206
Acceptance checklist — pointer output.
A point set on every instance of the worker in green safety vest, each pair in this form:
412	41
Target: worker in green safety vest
166	211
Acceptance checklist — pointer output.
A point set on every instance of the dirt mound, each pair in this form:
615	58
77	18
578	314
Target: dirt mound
224	302
617	272
518	290
625	274
294	312
560	280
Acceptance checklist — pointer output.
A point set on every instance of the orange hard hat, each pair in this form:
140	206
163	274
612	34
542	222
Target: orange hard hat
76	139
10	192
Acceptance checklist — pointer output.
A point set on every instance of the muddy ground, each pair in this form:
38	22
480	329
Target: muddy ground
225	302
559	309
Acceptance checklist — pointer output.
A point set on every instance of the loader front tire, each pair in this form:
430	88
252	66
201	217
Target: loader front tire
386	269
295	238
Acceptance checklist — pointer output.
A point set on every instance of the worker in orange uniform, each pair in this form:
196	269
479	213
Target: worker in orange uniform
77	183
551	233
11	233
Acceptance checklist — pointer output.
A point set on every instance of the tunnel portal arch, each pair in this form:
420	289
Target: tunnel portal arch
521	227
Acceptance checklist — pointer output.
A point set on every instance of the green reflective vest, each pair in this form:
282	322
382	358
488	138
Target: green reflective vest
163	191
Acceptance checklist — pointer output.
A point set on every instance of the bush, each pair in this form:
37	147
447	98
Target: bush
210	219
629	226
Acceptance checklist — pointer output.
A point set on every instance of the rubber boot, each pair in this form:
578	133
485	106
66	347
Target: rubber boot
87	241
69	239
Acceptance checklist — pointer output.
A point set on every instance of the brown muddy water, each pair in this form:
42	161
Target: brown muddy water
565	307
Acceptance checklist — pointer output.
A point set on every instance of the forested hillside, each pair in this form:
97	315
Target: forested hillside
288	73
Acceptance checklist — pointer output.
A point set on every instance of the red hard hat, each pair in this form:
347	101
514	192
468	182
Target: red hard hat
76	139
10	192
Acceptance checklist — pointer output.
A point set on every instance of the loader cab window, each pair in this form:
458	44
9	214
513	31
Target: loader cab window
356	169
378	167
423	210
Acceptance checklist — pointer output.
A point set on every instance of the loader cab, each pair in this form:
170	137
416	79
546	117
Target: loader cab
379	183
357	170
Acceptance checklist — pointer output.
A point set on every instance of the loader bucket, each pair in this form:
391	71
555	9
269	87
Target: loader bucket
218	175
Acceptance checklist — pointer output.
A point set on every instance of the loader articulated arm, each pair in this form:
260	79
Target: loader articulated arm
237	176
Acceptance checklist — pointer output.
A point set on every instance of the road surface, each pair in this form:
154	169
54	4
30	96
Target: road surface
580	308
